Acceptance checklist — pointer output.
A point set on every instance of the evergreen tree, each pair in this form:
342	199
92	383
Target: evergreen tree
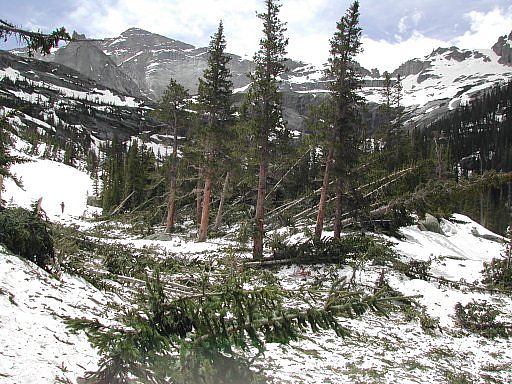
134	175
264	104
171	110
6	159
215	91
343	150
113	175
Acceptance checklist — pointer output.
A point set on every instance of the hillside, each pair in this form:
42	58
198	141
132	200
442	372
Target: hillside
196	238
379	349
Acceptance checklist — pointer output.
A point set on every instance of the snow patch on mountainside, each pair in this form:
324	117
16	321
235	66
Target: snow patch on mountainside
55	183
448	78
104	96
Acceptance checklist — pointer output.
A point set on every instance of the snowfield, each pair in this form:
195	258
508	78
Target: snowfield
36	346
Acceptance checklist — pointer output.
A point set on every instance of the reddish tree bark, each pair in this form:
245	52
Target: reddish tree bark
224	192
323	195
203	228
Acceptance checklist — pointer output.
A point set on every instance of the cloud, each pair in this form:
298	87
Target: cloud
387	56
395	32
194	21
485	28
409	22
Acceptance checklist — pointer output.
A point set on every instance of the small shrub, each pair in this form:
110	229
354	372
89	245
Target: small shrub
331	250
415	269
480	318
26	234
428	324
498	273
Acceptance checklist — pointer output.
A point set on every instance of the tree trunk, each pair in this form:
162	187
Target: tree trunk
198	199
1	187
171	201
259	231
339	209
323	195
218	218
171	205
203	228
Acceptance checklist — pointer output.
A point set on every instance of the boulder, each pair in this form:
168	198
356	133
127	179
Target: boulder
431	224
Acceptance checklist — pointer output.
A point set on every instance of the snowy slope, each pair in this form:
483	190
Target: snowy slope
32	306
55	183
35	345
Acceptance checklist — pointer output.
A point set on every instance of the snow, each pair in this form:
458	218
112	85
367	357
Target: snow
449	77
35	345
34	98
55	183
33	304
104	96
132	57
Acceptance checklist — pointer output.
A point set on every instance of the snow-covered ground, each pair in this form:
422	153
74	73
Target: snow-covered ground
36	347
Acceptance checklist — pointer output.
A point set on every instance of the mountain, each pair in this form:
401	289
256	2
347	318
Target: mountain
447	78
503	48
45	96
139	62
432	85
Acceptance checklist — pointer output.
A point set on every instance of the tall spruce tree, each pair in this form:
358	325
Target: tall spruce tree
343	150
113	175
171	110
264	105
215	91
6	159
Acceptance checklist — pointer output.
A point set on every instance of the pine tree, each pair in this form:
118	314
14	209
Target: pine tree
345	45
113	175
6	159
215	91
265	105
171	110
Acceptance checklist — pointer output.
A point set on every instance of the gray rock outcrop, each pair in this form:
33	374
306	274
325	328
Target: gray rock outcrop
503	48
431	224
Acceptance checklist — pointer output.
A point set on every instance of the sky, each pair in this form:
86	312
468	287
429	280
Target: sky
393	30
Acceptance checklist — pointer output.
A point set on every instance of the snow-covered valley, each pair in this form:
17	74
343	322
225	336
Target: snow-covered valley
37	347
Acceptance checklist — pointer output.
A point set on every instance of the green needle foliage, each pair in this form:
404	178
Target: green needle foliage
208	337
27	234
35	41
334	250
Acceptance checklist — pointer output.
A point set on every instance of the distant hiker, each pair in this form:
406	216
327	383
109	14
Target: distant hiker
62	207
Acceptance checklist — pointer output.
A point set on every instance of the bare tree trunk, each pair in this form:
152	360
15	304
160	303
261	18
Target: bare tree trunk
259	230
171	201
203	228
198	199
1	187
323	194
218	218
171	206
339	209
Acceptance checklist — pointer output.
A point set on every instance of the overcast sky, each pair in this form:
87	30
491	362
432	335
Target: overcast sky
394	30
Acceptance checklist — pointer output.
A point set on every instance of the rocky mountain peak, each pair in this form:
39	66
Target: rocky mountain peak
456	54
137	38
503	48
88	59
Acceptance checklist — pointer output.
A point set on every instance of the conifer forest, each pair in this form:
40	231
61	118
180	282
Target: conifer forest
258	221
